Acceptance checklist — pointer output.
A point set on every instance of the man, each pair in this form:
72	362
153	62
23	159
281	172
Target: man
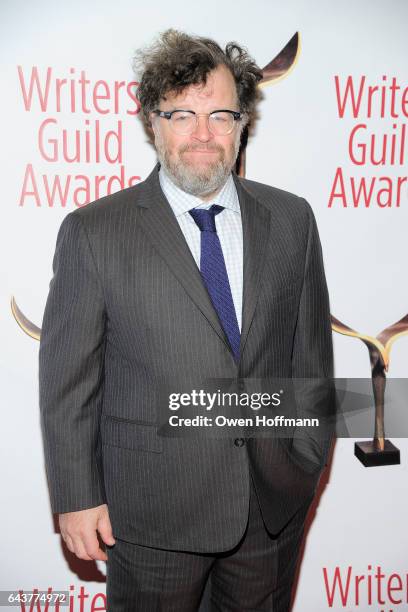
193	274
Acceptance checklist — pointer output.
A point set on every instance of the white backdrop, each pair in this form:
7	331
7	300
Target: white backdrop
300	141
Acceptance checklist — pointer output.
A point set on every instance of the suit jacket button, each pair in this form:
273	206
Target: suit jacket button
241	385
239	441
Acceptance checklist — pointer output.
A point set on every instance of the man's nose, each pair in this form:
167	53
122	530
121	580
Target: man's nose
202	132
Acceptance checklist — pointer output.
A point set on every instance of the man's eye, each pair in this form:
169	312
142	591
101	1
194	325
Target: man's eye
220	117
180	117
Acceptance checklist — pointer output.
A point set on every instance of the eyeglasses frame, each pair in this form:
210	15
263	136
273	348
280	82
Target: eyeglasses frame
168	114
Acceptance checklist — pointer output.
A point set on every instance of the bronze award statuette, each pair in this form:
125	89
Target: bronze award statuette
26	325
276	70
379	451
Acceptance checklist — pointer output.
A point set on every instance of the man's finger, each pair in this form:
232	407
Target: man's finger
92	548
69	543
79	549
105	530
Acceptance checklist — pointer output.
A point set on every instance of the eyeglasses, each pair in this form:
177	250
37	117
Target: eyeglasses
184	122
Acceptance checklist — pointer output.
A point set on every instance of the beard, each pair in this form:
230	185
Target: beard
195	179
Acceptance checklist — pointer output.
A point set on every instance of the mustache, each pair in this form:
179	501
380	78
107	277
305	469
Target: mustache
201	147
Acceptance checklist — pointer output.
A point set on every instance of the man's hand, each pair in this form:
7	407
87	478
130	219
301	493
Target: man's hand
79	532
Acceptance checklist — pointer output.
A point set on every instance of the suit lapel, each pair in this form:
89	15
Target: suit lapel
255	230
162	228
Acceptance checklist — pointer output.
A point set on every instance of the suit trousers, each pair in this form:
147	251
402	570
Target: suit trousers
256	575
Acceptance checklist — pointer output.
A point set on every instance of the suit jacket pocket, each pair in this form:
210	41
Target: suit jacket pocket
130	434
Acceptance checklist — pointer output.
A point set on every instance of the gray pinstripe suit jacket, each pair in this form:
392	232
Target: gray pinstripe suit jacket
127	309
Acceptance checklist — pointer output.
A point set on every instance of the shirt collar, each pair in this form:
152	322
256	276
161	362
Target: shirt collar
181	201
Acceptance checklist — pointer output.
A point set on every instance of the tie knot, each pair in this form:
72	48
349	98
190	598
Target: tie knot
205	218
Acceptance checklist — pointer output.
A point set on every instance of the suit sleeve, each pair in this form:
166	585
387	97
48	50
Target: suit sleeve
71	373
312	360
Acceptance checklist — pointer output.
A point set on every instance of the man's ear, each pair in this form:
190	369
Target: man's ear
147	124
151	124
151	128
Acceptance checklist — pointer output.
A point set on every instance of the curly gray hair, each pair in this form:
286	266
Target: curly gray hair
177	60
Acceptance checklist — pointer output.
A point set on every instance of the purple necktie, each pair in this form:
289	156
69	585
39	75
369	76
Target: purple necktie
214	274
